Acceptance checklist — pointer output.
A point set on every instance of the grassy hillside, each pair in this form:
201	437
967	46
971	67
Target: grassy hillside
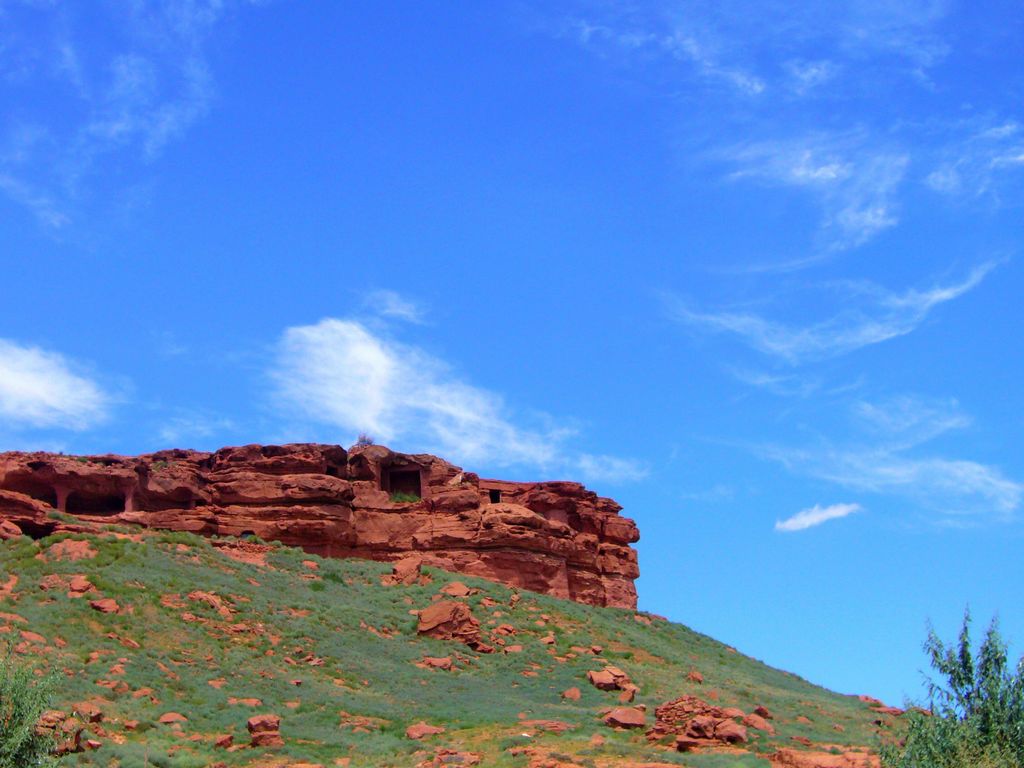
351	644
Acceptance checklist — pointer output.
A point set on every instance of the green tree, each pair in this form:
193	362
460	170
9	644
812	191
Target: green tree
976	715
23	699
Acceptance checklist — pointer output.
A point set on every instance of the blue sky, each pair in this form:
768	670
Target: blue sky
752	270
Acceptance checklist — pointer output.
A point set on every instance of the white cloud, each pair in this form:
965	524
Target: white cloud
387	303
951	488
685	46
816	515
340	374
116	85
807	75
908	421
192	429
610	469
884	316
677	43
39	389
976	157
725	41
855	183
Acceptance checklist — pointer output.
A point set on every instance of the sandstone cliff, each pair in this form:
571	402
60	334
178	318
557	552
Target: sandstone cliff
553	537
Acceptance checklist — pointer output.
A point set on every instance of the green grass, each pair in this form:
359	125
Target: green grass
401	497
326	615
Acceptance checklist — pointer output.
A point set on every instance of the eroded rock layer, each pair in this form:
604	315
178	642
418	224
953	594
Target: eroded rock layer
553	537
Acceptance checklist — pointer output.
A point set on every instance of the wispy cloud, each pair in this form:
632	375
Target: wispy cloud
855	182
676	43
40	389
972	165
610	469
906	421
882	315
726	41
808	75
816	515
388	303
193	429
341	374
90	86
952	489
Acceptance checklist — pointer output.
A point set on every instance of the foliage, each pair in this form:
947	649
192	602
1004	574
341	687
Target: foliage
23	699
977	713
401	497
364	440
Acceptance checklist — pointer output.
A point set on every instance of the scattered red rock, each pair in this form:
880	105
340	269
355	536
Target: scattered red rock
71	550
422	729
219	604
695	677
407	571
265	731
755	721
444	757
609	679
786	757
571	694
89	711
626	717
695	723
452	620
170	718
457	589
436	662
105	605
891	711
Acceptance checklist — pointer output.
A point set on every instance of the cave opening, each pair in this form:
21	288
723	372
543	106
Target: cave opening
36	531
495	496
403	484
79	503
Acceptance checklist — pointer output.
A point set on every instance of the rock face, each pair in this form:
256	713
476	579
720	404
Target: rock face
553	537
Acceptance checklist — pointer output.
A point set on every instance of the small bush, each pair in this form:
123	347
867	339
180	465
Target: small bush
977	714
23	699
401	497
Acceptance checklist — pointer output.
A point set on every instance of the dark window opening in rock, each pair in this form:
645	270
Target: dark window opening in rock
403	485
333	471
248	536
36	531
43	493
495	496
81	504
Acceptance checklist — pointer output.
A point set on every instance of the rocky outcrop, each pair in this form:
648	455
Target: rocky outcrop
694	724
553	537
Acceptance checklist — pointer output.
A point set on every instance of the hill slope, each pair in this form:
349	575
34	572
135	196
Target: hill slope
333	650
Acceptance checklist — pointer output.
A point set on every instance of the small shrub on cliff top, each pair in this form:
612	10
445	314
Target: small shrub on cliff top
23	698
977	715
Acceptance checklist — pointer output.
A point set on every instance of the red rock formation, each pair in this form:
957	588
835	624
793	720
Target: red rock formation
695	723
552	537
